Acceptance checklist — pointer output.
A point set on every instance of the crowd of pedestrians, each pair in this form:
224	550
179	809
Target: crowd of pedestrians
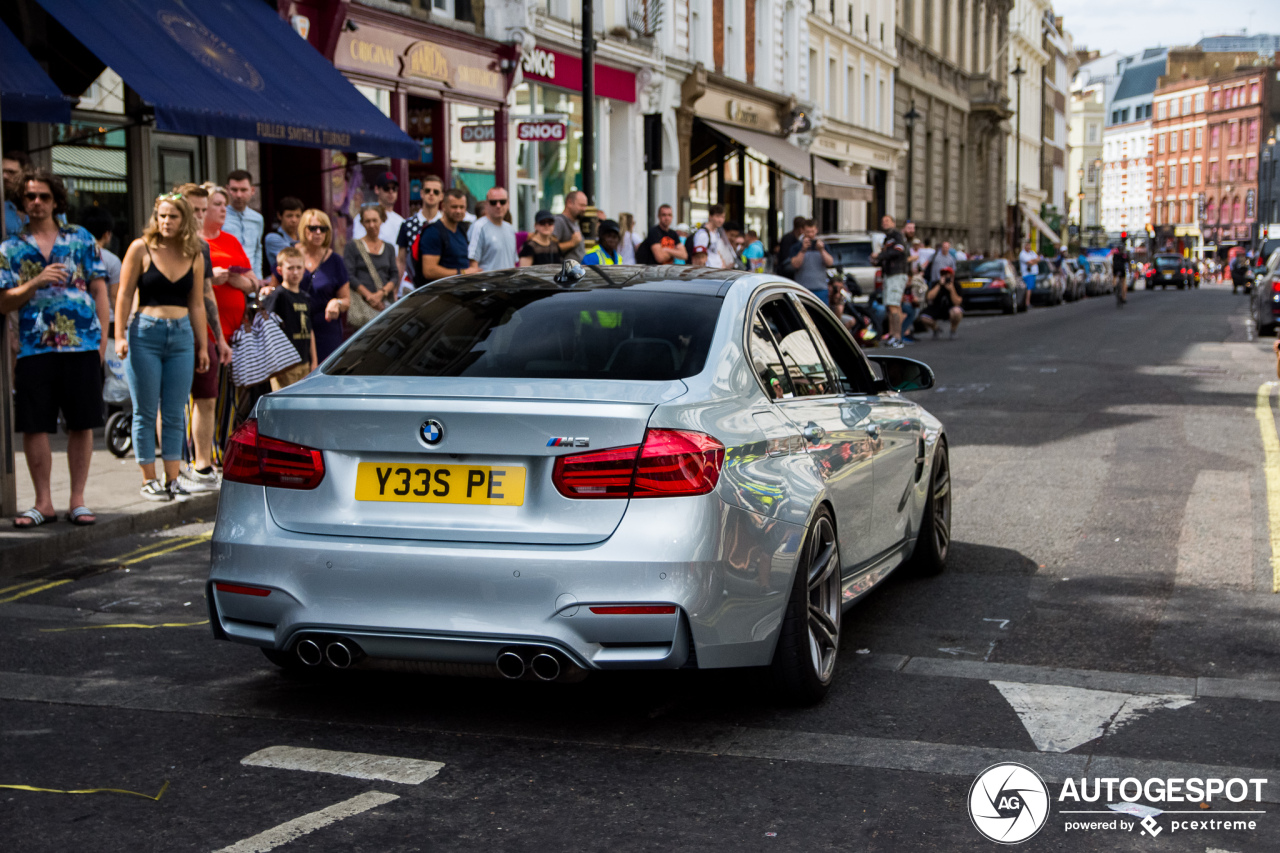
210	308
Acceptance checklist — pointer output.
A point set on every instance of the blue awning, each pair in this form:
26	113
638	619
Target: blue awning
26	92
232	69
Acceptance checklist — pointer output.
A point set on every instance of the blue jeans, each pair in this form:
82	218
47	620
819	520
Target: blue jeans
162	359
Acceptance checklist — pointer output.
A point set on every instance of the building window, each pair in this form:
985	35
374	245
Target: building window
1237	212
1186	105
1199	137
1186	173
1200	102
1159	143
1216	99
1197	181
1253	94
1091	132
1173	142
1210	211
1235	133
866	100
1173	108
1251	168
1253	131
848	92
1160	177
831	82
1160	110
1214	136
1213	172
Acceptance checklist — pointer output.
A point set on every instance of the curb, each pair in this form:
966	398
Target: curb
26	556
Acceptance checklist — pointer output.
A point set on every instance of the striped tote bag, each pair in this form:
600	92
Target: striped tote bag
260	350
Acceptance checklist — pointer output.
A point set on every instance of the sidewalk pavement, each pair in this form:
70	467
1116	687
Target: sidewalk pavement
112	493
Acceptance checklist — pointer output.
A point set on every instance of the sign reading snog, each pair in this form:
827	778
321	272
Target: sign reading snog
545	130
477	133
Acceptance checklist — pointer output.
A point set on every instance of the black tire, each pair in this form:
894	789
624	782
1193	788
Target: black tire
1023	304
119	434
1009	307
933	544
804	660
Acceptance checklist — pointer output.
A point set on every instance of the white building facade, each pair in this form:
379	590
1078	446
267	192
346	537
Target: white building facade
1126	179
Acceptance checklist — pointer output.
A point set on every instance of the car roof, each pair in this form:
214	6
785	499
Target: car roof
685	279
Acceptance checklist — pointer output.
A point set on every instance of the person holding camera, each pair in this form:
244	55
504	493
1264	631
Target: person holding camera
942	303
810	260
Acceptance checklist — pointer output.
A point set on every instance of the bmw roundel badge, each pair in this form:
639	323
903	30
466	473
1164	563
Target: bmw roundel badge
432	431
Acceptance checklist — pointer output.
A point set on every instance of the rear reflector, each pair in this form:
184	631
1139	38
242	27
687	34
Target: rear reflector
635	610
260	460
670	463
242	590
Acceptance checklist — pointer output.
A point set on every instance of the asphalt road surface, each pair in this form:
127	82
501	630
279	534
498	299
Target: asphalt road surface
1107	613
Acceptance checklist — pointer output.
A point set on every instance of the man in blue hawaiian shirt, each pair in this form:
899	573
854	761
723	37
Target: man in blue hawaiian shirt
53	276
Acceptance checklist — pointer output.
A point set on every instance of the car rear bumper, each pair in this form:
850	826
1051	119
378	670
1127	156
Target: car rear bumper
726	571
985	298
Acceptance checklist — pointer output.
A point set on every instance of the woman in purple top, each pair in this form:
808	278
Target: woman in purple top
327	280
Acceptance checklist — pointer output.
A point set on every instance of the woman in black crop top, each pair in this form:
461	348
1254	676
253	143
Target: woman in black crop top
164	269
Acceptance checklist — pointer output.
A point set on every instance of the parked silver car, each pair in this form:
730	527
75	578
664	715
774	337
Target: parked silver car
546	472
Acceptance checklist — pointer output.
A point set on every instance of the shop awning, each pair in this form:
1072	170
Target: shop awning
231	69
26	92
1040	225
791	159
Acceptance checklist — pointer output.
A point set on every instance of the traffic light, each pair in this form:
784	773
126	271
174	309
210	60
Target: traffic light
1124	235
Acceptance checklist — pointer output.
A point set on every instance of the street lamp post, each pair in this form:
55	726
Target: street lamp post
1265	209
588	102
1097	193
911	118
1017	73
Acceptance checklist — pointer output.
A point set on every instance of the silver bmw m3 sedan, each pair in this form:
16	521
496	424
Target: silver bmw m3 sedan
544	472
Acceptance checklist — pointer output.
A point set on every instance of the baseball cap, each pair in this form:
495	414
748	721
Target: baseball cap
609	225
386	179
543	216
947	269
682	226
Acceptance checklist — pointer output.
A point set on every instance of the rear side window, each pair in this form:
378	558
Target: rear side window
851	254
537	334
801	357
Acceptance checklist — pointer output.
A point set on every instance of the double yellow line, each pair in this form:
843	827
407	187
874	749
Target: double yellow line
137	555
1271	471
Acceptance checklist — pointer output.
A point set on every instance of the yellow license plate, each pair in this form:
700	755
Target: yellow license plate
972	283
485	485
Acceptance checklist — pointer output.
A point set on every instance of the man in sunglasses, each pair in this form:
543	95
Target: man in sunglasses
492	244
387	189
53	276
432	193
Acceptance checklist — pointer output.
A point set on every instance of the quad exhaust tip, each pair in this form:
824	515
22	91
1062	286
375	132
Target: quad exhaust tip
338	654
309	653
511	665
545	666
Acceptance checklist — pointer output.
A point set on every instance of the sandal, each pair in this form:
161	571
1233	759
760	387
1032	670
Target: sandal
36	516
82	516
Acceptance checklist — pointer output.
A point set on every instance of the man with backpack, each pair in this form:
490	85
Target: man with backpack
443	244
712	239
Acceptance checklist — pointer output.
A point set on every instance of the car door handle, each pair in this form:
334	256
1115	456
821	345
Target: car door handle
814	433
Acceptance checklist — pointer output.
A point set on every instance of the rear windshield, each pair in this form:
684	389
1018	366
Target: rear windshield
851	254
1166	263
980	269
537	334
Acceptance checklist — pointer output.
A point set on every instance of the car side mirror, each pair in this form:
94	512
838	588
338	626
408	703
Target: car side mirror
902	374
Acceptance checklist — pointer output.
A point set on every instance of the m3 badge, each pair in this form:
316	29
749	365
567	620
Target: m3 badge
568	441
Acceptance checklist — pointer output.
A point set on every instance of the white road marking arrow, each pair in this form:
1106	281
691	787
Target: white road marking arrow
1061	718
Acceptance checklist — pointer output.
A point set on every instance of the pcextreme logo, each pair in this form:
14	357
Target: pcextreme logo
1009	803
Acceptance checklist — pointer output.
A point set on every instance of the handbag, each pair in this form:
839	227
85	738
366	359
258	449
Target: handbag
360	311
260	350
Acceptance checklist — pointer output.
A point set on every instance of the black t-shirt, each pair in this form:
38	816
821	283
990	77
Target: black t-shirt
549	254
658	236
294	311
1119	262
785	246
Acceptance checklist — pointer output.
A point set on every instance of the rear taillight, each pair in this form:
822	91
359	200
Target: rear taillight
670	463
239	589
260	460
1184	272
1150	273
998	284
1275	286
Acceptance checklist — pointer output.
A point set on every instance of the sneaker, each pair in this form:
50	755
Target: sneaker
152	490
178	492
893	343
193	481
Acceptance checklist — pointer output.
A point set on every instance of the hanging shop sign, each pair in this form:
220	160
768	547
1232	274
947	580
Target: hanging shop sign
477	133
385	53
544	130
565	71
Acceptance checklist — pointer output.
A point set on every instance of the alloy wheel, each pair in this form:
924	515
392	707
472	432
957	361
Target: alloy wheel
823	571
941	504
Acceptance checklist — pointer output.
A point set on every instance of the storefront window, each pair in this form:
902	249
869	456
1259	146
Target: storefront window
473	163
546	171
90	158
